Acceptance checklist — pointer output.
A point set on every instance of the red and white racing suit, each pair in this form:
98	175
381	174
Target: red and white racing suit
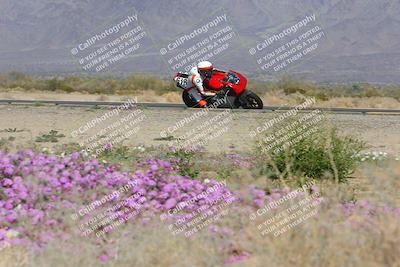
197	81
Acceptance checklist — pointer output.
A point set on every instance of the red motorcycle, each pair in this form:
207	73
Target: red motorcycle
230	88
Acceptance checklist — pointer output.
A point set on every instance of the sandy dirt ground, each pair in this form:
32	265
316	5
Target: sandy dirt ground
270	98
231	131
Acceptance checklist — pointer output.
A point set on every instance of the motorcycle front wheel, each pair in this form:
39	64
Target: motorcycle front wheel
250	100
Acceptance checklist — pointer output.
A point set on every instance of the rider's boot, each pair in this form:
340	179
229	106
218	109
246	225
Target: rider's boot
202	103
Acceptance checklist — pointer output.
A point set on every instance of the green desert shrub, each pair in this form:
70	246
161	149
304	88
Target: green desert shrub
323	154
142	82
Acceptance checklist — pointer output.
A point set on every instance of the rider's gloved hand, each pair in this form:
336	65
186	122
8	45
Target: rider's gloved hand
226	84
223	82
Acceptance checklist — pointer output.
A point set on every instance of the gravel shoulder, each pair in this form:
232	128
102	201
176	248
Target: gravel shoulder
381	132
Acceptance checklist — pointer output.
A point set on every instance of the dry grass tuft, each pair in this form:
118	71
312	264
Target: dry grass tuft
13	256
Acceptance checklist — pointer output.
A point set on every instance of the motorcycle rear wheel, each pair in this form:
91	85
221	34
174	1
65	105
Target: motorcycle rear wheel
189	102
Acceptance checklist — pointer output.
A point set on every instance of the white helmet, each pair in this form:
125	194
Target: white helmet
204	65
205	69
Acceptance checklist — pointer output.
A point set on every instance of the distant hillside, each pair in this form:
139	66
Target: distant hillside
361	38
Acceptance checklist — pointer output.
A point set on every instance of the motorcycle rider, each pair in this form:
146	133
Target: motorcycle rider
198	76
